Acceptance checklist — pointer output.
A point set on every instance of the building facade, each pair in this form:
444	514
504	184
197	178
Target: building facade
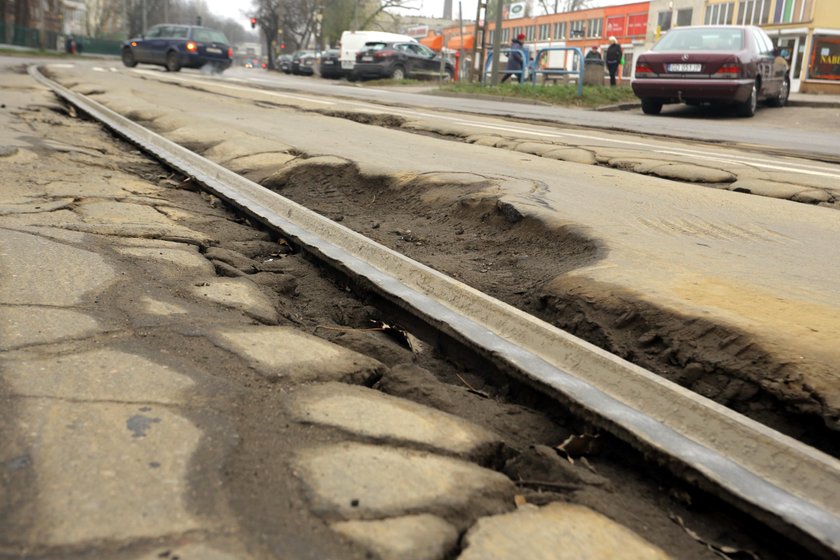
583	29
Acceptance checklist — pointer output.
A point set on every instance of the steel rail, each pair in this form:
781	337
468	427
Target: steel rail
785	484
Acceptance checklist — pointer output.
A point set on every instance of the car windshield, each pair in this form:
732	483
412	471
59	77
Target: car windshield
204	35
701	39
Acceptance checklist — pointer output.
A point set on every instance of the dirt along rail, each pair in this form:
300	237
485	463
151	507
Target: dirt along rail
776	479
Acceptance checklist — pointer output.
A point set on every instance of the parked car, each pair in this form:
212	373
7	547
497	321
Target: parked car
354	41
179	46
399	61
721	65
330	65
284	63
304	62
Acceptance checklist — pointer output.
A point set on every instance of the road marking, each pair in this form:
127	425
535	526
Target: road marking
99	69
790	169
236	88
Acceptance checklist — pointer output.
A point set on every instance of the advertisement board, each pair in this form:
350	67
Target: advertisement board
825	59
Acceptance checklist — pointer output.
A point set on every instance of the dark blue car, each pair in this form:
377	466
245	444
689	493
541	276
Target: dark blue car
179	46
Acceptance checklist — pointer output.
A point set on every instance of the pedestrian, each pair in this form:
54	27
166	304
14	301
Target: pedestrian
614	58
593	54
516	59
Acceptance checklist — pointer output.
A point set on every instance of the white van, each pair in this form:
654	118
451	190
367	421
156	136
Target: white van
353	41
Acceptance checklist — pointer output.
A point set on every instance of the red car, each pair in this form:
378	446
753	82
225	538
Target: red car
720	64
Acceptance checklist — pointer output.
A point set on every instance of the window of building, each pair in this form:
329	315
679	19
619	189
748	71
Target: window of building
576	29
530	32
506	35
788	11
663	20
684	17
544	31
594	27
753	12
560	30
720	14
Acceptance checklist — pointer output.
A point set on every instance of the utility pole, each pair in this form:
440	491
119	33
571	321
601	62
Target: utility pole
497	44
166	11
145	23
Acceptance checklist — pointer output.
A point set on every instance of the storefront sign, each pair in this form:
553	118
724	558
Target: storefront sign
825	59
615	26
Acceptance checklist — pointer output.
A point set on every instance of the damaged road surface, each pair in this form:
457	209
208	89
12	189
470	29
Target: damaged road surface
192	353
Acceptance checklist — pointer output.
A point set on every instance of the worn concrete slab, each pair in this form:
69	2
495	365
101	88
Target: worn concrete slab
413	537
107	471
25	325
174	263
72	272
391	419
359	481
98	375
558	531
238	293
285	353
154	306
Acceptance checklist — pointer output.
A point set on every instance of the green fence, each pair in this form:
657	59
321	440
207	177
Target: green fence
50	40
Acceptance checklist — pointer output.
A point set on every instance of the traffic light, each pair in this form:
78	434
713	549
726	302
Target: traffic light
253	23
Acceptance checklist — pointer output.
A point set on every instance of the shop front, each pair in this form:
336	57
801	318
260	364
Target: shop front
824	62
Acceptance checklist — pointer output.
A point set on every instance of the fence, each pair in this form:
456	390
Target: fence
28	37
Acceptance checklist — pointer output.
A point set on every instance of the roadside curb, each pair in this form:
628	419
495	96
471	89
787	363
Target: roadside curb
813	103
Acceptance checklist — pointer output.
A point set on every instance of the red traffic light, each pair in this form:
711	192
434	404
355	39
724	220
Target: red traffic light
253	23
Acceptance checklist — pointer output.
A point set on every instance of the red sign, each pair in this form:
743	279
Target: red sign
637	27
615	26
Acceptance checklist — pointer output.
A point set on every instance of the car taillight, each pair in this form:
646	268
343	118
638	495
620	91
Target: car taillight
384	54
191	47
134	43
729	70
644	71
230	52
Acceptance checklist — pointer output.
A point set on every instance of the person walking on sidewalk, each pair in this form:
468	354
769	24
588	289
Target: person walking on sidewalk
613	59
516	59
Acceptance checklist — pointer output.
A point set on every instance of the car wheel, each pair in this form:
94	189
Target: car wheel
398	73
782	98
172	64
747	108
128	58
651	106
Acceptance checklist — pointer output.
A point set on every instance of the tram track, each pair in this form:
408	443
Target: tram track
787	485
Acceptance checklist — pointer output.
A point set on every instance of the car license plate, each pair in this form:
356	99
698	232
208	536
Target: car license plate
213	50
347	64
684	67
367	59
328	62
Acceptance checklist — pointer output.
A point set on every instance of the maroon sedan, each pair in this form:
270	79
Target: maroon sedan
721	64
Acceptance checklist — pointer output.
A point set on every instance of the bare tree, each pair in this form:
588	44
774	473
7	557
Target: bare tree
562	6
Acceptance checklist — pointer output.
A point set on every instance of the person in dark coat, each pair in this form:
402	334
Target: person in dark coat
613	59
516	60
593	54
